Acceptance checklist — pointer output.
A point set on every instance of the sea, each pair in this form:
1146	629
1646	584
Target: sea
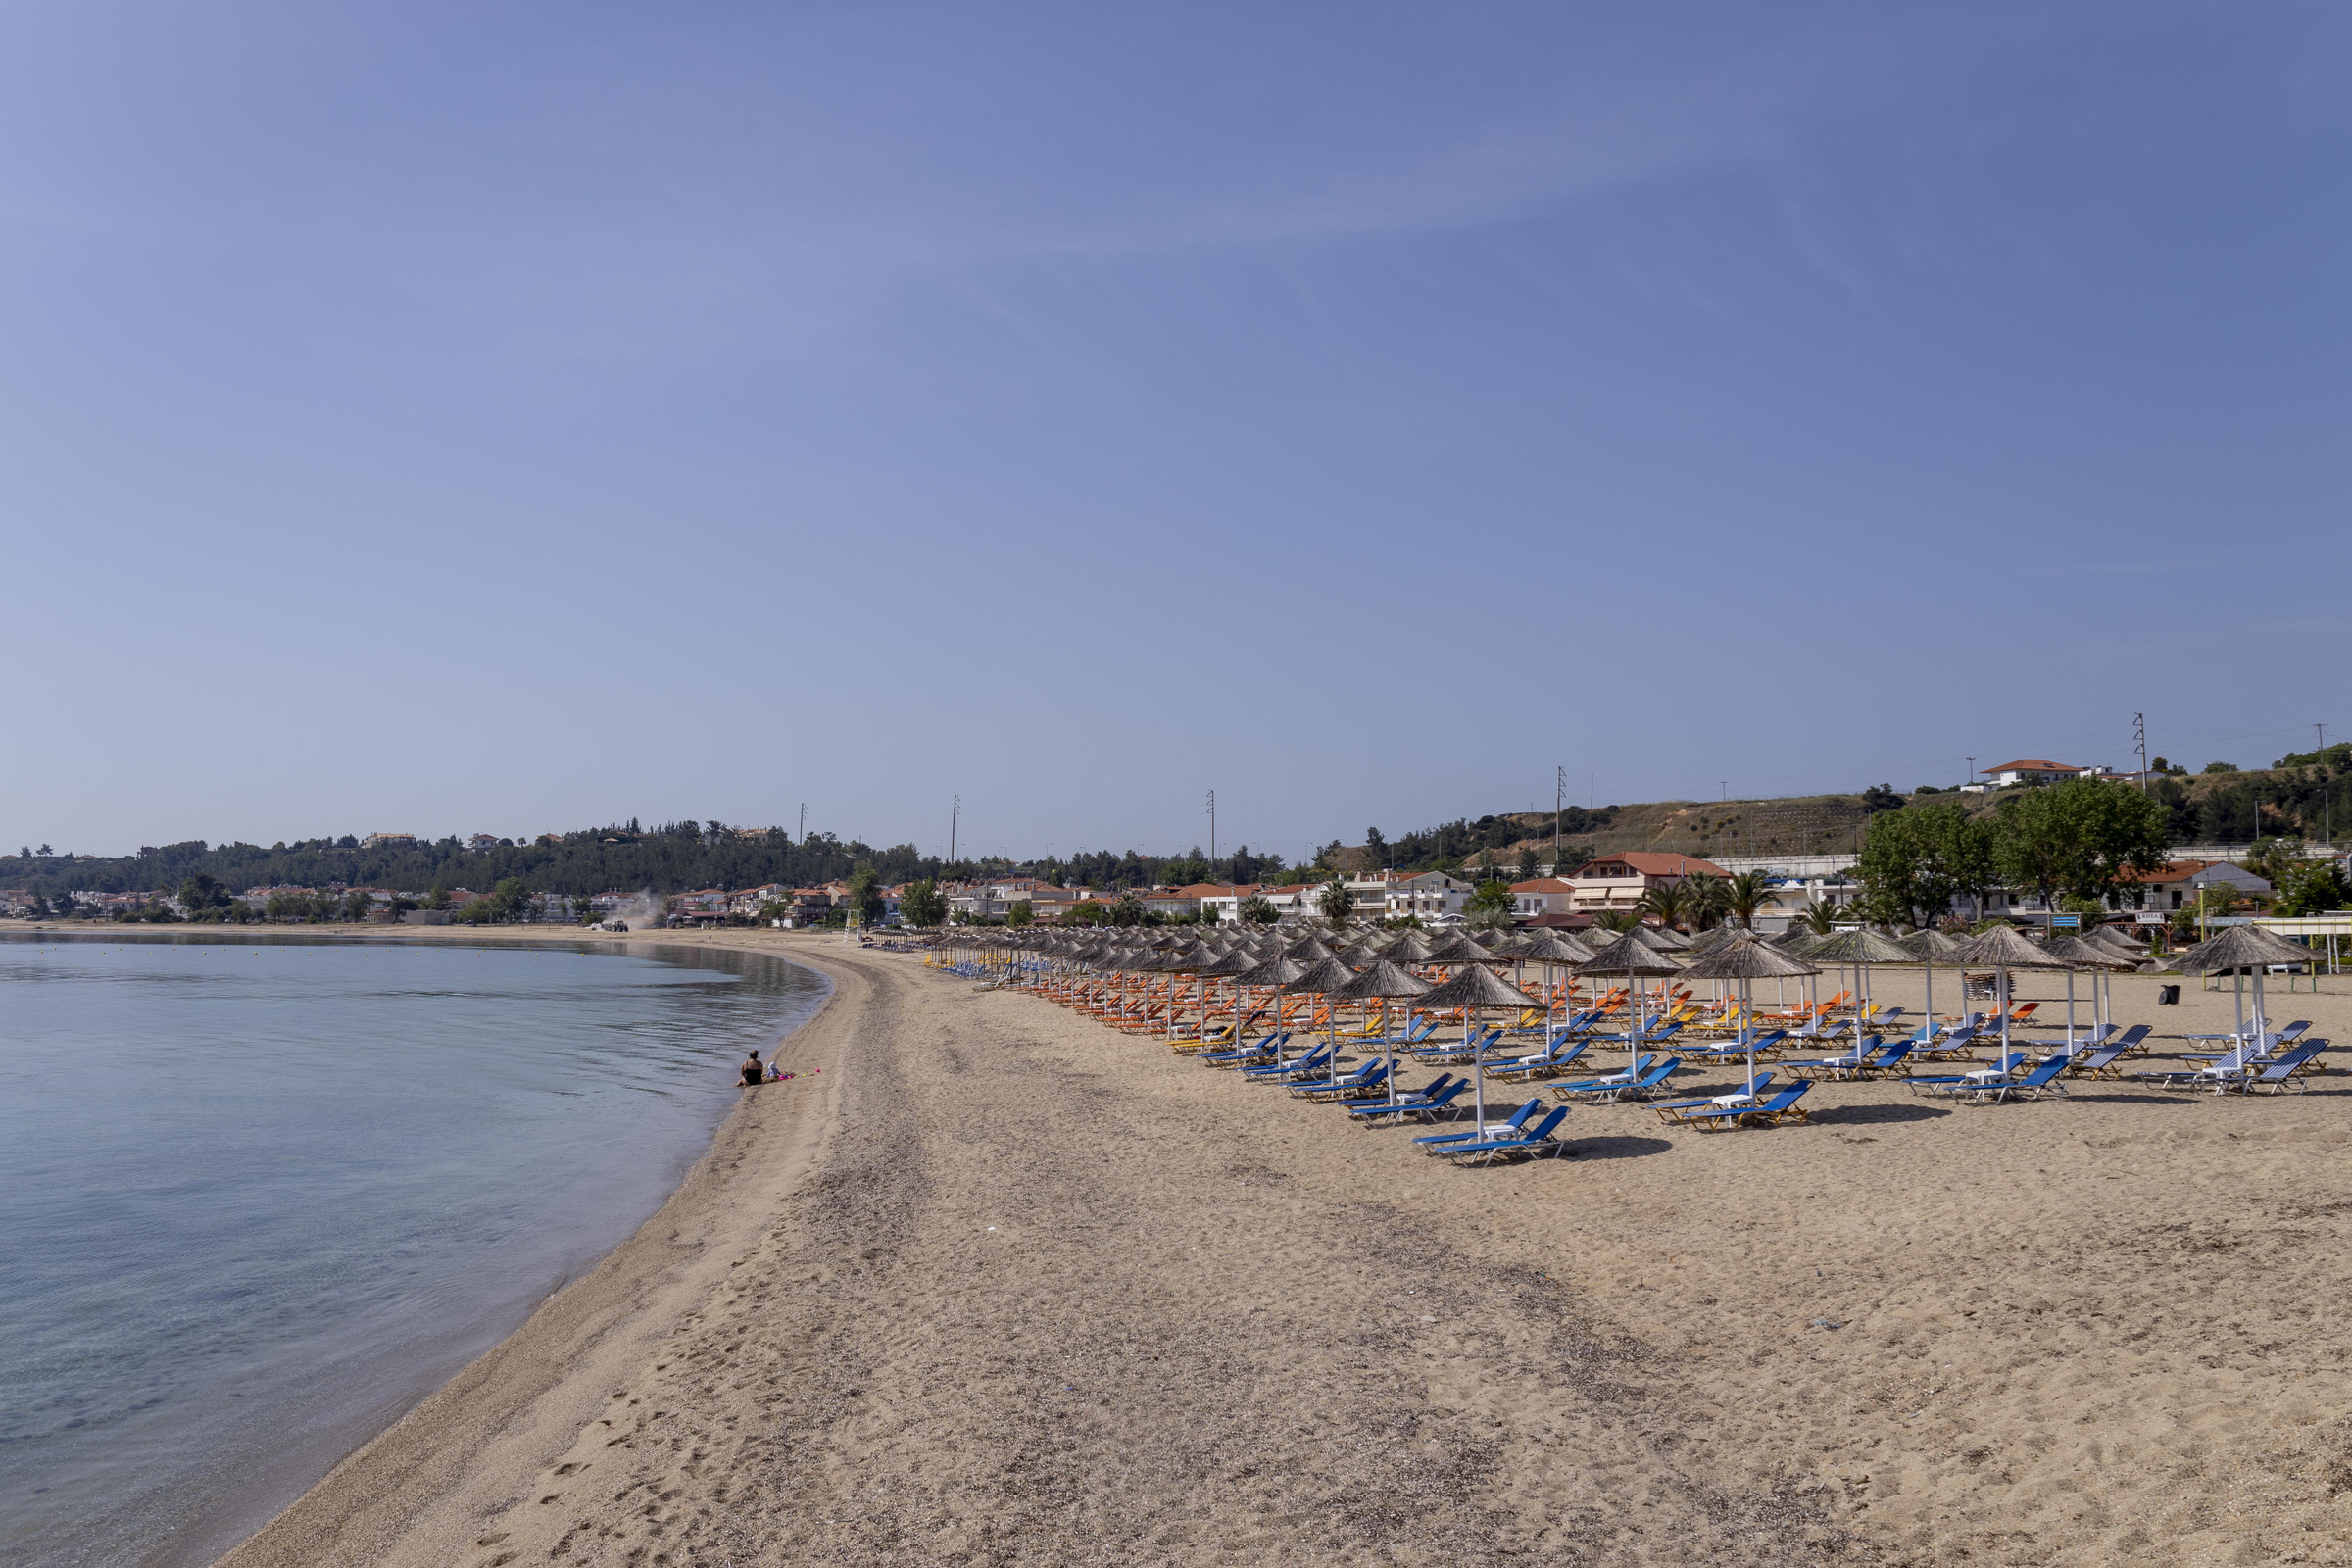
259	1195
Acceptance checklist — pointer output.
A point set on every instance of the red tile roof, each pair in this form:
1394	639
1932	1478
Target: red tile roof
1650	863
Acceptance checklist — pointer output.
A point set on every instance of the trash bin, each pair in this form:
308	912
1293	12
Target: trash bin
2168	995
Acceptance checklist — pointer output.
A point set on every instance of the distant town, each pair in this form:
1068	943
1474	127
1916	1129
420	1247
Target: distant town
2027	838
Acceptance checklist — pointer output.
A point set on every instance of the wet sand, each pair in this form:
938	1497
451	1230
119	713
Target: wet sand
1002	1286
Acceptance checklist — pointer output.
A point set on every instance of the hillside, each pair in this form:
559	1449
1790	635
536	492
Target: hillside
2294	799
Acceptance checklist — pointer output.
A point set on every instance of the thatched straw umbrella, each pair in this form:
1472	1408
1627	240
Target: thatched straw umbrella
1746	959
1550	948
2238	950
1409	947
1383	979
1630	957
1476	990
2001	950
1321	978
1459	947
1928	947
1223	967
1273	973
2099	959
1861	947
1307	949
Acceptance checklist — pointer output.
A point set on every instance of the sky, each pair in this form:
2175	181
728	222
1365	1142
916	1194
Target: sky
459	419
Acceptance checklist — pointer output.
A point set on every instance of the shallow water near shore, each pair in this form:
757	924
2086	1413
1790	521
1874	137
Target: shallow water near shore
259	1195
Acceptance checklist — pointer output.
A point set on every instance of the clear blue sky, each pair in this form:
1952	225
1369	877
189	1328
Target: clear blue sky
457	419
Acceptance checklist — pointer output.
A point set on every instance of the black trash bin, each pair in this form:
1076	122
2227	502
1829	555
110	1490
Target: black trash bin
2168	995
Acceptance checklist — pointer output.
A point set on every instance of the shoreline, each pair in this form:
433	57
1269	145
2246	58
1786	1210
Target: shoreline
434	1472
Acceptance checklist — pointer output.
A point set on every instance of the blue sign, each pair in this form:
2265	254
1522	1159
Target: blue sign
2069	920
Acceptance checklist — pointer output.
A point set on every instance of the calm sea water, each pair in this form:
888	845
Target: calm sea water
258	1197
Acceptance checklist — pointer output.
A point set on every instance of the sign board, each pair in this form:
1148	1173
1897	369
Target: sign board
2066	922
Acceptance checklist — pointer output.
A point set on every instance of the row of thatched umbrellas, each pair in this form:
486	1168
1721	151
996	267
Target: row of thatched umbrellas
1368	967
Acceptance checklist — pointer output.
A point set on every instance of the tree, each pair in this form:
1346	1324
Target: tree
1529	866
1819	917
1618	921
1668	901
1376	849
203	890
2210	767
867	898
923	903
1746	894
1710	900
1336	901
1489	907
1128	910
508	898
357	904
2312	886
438	897
2079	837
1021	913
1881	797
1919	859
1259	909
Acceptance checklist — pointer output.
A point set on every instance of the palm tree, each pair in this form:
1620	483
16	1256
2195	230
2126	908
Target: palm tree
1336	901
1618	921
1820	917
1668	901
1746	894
1710	900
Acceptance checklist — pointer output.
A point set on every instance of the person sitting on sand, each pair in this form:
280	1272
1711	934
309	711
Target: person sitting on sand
753	1072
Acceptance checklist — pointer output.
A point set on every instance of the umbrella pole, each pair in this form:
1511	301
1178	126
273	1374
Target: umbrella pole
2000	992
1390	1040
2069	1012
1749	1040
2237	1000
1478	1070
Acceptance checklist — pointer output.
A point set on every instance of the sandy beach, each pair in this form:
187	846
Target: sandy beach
1002	1286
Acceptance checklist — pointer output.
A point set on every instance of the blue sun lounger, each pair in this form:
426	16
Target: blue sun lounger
1459	1050
1424	1106
2047	1075
1610	1091
2293	1070
1552	1059
1316	1063
1256	1050
1436	1143
1531	1144
1370	1076
1671	1110
1782	1106
1615	1080
1941	1083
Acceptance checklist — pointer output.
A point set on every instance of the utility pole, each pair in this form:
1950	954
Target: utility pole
804	821
1559	791
1972	771
1212	832
2139	732
955	811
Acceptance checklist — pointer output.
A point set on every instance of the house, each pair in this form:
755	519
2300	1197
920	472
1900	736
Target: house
703	901
1174	903
2175	885
398	841
1620	881
1431	896
2036	770
483	841
1544	896
751	900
